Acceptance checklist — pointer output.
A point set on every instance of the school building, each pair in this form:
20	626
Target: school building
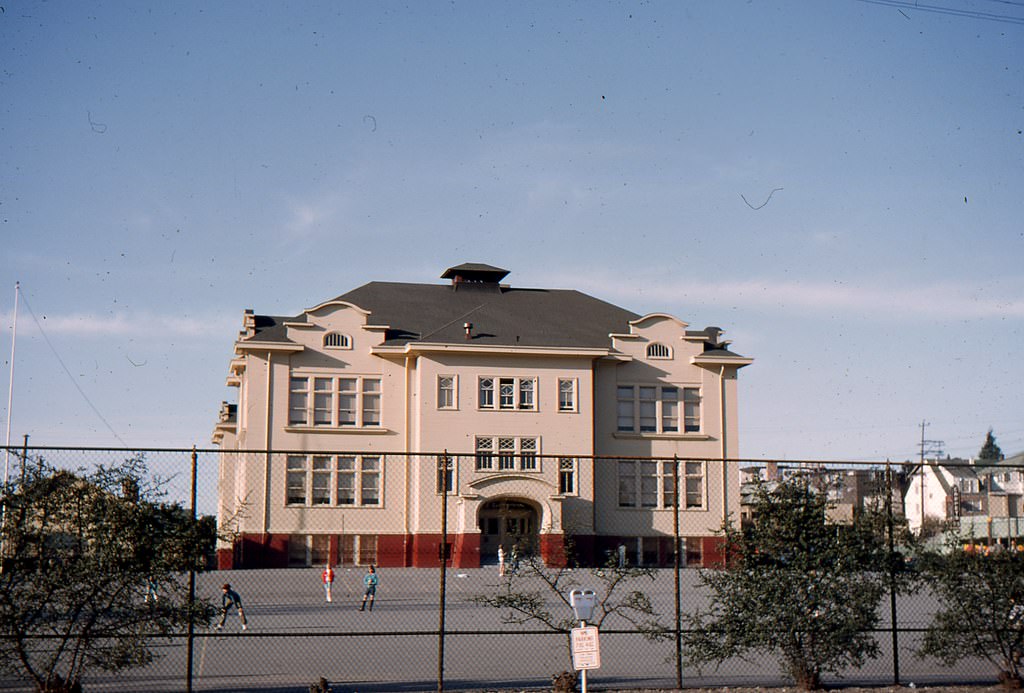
535	415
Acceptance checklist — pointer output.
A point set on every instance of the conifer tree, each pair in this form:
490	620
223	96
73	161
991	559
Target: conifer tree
990	452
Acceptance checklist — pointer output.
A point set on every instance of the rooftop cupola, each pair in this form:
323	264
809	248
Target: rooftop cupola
476	275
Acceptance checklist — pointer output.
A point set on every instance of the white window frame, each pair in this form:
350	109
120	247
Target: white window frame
320	400
307	477
508	393
657	409
507	454
447	392
568	397
648	484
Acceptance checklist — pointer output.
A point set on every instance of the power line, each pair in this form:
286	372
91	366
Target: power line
73	380
952	11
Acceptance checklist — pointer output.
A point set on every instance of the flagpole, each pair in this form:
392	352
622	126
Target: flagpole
7	449
10	390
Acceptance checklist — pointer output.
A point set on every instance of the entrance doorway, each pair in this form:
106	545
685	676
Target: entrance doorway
507	523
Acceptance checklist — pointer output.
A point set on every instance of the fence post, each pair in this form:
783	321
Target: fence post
190	642
892	576
676	561
443	557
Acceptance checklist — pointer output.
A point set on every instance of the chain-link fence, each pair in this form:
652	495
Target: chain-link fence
469	587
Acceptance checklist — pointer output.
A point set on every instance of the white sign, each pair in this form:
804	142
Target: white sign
586	648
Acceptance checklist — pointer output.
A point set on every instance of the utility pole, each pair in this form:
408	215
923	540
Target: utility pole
927	447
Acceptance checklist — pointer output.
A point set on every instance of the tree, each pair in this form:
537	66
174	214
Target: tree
990	452
535	593
92	572
981	611
794	586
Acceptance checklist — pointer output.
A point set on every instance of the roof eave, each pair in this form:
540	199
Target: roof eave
737	361
258	346
415	348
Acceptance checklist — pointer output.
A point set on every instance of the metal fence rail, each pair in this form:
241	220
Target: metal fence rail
427	629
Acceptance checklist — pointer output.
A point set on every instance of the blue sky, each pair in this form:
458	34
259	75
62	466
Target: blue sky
839	185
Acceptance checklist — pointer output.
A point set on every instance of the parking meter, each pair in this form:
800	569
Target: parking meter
583	603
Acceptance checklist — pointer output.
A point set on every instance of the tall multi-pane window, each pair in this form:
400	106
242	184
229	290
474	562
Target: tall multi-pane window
656	408
334	402
506	453
627	483
369	478
526	400
321	480
323	399
693	478
445	474
528	454
298	396
669	409
506	393
512	393
295	480
371	402
338	480
348	395
691	409
648	408
446	392
566	394
484	450
567	476
668	488
624	408
650	484
486	397
345	484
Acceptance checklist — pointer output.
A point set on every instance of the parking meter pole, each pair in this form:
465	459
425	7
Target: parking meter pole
583	602
583	672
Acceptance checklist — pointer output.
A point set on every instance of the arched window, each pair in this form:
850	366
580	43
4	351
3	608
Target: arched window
658	351
336	340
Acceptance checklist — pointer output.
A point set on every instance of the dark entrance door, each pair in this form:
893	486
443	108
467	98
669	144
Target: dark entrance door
507	523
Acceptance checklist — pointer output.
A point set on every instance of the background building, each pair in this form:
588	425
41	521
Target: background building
559	414
981	500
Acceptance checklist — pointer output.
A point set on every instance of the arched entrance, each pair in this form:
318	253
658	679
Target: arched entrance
509	523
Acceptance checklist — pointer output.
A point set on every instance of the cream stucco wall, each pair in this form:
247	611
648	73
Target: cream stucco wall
411	421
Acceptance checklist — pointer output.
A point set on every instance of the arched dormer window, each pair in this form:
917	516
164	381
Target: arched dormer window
656	350
336	340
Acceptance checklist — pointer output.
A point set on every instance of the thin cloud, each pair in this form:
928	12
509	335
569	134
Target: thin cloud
309	217
137	325
946	301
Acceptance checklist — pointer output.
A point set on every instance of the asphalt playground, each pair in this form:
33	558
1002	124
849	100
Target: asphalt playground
294	637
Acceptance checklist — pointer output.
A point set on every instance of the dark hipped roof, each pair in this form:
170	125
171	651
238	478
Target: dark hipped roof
500	315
